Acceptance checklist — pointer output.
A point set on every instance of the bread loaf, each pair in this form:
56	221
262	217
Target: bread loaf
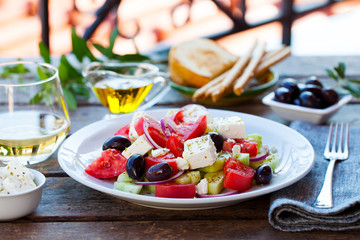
194	63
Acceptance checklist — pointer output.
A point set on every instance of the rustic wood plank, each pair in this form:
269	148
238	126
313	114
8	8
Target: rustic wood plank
138	229
64	199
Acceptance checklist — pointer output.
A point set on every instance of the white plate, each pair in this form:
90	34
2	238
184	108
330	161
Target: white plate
296	160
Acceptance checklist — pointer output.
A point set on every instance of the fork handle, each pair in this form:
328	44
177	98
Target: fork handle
324	199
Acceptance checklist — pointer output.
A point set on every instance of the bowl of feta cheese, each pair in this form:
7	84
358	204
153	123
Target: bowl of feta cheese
20	190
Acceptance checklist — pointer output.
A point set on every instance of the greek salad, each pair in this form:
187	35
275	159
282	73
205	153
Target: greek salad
187	154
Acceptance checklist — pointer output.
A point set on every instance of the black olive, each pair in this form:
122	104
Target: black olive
330	96
135	166
315	89
217	139
283	95
308	99
263	174
314	80
291	84
117	142
158	172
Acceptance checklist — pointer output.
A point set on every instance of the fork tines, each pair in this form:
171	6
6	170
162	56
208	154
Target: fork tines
340	146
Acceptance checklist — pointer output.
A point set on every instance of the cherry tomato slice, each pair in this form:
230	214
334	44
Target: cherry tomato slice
192	130
139	126
170	190
178	117
124	131
158	136
175	144
110	164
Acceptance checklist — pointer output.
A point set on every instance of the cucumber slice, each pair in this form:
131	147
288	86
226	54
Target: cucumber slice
128	187
193	177
124	177
150	188
215	182
217	165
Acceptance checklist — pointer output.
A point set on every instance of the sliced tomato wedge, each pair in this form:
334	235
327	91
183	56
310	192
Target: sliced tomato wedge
172	190
124	131
176	145
139	126
192	130
110	164
169	158
238	176
178	117
158	136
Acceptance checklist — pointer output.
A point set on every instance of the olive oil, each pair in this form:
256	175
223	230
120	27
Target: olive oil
122	95
30	136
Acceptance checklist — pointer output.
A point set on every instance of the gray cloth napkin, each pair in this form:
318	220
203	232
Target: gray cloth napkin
291	208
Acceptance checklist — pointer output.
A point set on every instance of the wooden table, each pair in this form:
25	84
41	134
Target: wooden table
70	210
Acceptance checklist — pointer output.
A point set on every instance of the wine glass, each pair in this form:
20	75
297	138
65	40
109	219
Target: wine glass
34	119
126	87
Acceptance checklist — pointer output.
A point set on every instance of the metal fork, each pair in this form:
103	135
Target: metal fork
324	199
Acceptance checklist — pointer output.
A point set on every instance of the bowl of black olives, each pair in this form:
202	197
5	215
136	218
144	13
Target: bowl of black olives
308	101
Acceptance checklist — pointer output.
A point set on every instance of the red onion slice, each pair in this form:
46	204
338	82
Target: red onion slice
228	192
261	156
168	126
160	182
146	125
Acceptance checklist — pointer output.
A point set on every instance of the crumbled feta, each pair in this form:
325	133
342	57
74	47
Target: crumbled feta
200	152
159	152
231	127
140	146
15	177
202	187
182	164
236	150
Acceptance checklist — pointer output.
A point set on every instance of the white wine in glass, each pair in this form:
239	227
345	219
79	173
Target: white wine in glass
34	119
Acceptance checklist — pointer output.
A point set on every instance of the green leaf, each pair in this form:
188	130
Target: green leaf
80	48
331	74
37	98
355	91
71	71
42	75
70	99
105	51
113	36
80	90
356	81
340	70
131	57
44	52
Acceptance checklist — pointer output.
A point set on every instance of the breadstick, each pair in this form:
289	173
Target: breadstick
200	93
271	54
224	86
282	54
248	72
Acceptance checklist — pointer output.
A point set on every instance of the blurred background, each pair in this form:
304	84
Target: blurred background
318	27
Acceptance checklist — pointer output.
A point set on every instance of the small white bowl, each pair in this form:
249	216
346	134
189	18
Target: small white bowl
293	112
17	205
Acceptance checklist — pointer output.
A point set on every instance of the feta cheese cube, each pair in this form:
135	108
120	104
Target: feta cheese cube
200	152
182	164
236	150
140	146
159	152
202	187
231	127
